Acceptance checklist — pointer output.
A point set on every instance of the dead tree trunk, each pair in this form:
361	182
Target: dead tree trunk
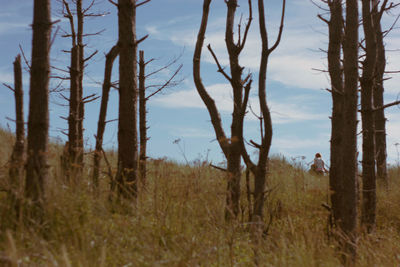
259	170
127	131
380	119
142	119
110	57
367	82
73	148
348	221
230	147
143	105
336	76
16	170
38	121
81	108
73	119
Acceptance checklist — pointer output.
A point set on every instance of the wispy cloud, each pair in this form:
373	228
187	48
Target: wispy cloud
282	111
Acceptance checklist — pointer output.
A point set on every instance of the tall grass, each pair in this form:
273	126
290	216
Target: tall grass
178	220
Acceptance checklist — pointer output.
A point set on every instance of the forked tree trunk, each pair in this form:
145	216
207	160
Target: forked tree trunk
367	114
230	147
16	170
380	119
259	170
348	221
336	76
38	121
101	125
127	132
142	119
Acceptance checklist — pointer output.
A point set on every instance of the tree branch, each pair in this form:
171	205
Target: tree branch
142	3
220	69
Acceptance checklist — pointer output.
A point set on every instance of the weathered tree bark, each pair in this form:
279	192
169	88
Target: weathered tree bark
81	112
260	170
234	155
101	125
380	119
142	119
336	75
230	147
367	82
74	149
348	222
127	131
17	162
73	158
38	121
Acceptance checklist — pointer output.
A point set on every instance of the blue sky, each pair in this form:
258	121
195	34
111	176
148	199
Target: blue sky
299	103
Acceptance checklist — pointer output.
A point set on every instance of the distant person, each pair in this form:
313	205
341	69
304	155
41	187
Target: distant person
319	165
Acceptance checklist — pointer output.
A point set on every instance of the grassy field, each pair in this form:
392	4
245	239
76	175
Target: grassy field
178	220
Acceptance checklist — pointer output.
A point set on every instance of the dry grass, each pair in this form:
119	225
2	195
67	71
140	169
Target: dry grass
178	221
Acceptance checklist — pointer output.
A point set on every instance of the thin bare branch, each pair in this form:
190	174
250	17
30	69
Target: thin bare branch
9	87
142	39
278	39
92	55
166	83
24	57
220	69
112	2
89	7
142	3
387	105
246	30
218	168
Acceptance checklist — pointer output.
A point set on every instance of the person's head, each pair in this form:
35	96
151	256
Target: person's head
318	155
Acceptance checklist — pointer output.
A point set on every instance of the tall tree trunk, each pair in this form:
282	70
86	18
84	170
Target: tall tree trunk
81	112
127	132
380	119
16	170
234	155
230	147
348	222
142	118
73	119
336	76
367	114
110	57
38	121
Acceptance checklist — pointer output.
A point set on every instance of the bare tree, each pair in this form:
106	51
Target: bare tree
231	147
17	161
259	170
127	130
142	119
38	121
343	36
110	57
74	146
348	220
143	103
335	68
379	114
367	82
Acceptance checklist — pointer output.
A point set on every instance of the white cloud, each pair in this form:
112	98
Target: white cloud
7	78
10	27
153	30
282	112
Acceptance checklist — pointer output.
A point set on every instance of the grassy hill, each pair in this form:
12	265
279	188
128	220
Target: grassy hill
178	220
